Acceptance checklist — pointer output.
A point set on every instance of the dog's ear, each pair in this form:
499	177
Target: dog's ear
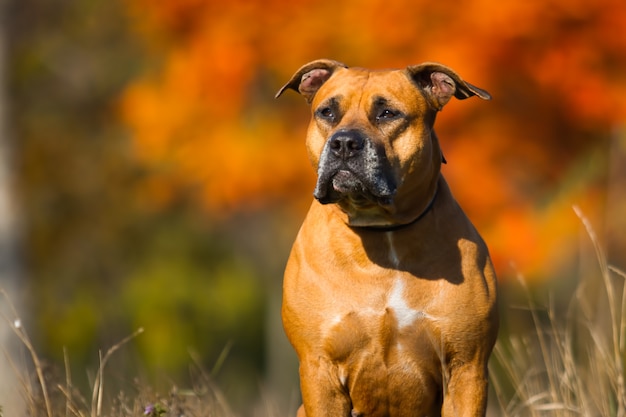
310	77
440	83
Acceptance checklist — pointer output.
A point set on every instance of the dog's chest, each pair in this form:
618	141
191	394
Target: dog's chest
391	325
386	320
391	345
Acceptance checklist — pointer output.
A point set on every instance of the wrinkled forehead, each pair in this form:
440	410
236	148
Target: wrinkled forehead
357	85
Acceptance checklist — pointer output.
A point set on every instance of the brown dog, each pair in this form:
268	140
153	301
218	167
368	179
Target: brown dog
389	293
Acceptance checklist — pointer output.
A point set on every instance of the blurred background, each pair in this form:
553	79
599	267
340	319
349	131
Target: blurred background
148	178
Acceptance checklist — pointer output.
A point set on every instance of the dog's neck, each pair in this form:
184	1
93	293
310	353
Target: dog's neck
398	226
384	219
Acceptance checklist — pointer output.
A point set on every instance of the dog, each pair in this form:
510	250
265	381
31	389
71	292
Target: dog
389	293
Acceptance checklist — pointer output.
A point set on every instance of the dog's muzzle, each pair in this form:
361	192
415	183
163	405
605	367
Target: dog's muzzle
351	166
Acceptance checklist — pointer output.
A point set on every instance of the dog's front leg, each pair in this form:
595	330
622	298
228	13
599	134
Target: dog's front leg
466	394
322	393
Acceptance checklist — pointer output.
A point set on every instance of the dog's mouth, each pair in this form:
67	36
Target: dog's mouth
344	184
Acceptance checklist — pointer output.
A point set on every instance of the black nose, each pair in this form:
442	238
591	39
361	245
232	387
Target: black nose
346	144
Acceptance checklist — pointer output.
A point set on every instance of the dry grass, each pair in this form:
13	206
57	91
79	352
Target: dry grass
48	395
572	366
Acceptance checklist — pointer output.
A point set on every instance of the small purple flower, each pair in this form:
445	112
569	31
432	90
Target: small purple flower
154	410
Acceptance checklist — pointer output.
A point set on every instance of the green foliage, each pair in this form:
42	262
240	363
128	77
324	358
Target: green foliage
186	304
100	260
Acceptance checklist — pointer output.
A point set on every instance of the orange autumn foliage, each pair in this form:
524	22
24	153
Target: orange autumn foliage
204	118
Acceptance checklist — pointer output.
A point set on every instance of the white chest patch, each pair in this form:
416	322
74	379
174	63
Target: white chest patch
405	315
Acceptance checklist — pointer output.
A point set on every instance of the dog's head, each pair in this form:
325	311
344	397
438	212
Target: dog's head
371	136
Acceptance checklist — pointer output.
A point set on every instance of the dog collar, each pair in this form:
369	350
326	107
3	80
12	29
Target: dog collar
403	225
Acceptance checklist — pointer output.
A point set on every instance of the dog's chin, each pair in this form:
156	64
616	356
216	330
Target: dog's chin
345	186
346	183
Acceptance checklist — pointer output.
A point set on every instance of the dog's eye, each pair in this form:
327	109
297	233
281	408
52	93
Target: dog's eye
326	113
388	114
